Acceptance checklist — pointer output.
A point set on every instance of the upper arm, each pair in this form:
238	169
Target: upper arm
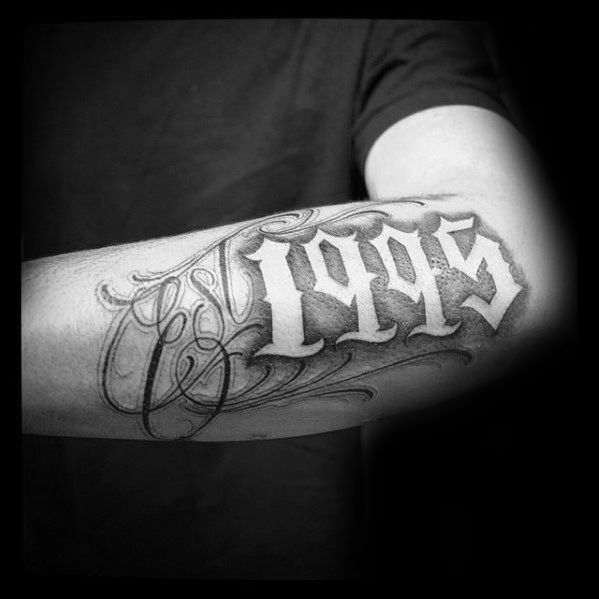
479	157
445	146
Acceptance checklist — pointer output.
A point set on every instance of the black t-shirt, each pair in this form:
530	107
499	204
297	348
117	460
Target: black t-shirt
146	129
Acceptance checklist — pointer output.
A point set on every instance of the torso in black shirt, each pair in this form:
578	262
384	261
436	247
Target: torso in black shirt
142	130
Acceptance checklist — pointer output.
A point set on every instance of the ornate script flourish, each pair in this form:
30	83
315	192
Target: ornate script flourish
182	344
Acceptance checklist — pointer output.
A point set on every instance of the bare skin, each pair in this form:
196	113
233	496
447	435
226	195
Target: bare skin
310	320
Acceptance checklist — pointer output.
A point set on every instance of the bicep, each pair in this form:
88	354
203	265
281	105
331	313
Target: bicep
443	146
478	157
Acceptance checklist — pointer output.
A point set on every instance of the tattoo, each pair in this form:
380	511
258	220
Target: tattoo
299	306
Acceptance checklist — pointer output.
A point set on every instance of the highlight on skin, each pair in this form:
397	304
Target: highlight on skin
298	306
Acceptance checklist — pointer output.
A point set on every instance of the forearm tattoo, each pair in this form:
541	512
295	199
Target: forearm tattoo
299	306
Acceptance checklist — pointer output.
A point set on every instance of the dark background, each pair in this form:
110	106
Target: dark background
474	492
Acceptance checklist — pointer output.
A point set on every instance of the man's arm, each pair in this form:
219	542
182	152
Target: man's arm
305	321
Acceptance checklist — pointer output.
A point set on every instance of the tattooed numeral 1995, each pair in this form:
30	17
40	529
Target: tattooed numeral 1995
299	306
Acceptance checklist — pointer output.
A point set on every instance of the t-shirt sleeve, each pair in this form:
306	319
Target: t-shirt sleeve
409	66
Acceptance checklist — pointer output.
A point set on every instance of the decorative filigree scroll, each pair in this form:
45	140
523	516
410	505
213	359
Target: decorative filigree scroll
184	344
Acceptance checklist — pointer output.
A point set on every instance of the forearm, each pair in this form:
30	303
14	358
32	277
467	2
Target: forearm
302	322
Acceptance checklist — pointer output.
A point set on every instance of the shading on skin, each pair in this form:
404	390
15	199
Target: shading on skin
298	306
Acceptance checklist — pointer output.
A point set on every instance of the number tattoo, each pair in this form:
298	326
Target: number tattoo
298	306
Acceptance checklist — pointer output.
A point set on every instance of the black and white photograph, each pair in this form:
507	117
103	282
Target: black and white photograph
298	300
